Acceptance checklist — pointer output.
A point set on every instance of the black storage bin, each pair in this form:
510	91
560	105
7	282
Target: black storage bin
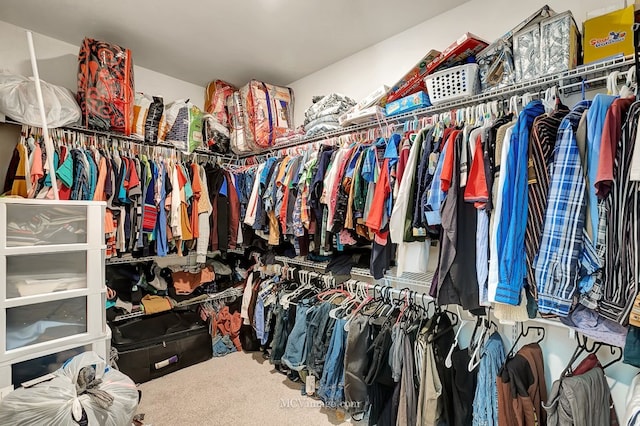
152	347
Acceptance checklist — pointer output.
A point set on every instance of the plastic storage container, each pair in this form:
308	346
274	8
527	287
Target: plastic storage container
453	83
52	287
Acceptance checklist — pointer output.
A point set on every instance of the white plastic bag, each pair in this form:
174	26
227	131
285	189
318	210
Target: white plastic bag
18	100
57	403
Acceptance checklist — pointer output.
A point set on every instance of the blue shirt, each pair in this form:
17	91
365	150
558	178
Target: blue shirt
513	217
435	195
595	123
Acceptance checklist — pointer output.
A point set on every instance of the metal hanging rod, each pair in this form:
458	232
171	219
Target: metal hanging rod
128	139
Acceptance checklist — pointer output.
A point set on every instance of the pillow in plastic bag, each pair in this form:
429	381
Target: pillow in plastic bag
108	398
19	101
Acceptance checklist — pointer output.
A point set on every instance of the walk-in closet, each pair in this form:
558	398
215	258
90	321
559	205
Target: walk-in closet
278	212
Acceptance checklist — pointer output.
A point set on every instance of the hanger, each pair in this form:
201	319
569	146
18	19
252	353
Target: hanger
630	87
448	363
541	333
475	345
550	99
613	349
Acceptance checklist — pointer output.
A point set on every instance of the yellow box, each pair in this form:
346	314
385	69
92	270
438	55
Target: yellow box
609	35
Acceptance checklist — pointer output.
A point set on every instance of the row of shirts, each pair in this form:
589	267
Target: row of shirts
155	206
521	206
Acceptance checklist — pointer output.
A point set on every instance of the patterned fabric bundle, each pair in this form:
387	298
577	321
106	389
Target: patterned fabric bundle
105	86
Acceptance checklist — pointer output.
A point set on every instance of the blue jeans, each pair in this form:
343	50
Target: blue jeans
294	354
331	388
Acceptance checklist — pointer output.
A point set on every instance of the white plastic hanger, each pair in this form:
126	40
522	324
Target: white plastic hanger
474	361
448	363
629	88
550	97
612	83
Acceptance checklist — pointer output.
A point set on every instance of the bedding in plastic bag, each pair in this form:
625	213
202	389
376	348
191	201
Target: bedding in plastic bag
18	100
84	391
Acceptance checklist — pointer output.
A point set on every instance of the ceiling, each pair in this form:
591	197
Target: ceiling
278	41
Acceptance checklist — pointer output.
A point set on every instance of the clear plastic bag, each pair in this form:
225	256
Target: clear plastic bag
19	101
58	402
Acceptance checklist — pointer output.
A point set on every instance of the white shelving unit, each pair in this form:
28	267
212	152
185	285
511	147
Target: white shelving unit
52	287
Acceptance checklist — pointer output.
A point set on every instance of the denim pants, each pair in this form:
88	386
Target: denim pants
319	329
280	333
294	355
331	388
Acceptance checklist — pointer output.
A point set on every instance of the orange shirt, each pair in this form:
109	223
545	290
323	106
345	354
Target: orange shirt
382	191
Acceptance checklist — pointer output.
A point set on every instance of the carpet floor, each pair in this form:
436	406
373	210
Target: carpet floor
237	389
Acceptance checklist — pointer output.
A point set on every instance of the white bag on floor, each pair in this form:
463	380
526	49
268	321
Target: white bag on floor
19	101
60	401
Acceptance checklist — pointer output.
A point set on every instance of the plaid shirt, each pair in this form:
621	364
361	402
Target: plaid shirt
565	253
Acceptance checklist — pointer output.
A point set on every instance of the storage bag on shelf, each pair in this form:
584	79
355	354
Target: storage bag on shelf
85	390
182	126
147	114
217	121
268	112
238	140
19	101
495	63
105	86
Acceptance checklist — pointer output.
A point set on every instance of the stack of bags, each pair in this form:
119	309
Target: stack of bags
323	115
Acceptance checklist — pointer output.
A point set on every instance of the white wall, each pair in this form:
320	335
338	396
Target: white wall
387	61
58	64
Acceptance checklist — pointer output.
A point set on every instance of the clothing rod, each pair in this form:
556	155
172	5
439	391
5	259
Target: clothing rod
119	137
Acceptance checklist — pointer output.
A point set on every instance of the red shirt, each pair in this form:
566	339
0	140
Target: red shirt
610	137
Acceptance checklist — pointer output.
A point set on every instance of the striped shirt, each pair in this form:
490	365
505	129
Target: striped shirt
562	260
622	260
541	145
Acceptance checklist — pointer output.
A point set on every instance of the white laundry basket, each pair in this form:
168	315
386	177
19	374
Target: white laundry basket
453	83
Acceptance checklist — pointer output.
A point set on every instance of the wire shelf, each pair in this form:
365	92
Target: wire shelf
568	79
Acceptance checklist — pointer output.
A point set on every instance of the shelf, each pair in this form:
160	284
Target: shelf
130	259
52	248
566	79
230	293
17	302
414	281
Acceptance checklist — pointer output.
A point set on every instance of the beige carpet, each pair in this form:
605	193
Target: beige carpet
238	389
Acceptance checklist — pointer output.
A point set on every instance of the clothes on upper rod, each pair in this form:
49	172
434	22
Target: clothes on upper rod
155	205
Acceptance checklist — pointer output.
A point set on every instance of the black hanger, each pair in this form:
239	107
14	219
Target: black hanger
579	350
613	351
541	333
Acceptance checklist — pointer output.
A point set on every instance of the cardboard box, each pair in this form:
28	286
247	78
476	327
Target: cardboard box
366	115
466	46
372	98
413	81
408	103
609	35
